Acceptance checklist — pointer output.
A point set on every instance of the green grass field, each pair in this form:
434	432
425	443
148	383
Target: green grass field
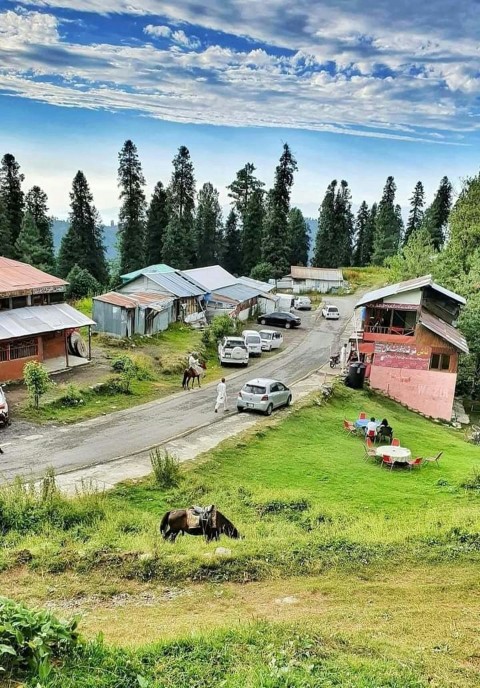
382	566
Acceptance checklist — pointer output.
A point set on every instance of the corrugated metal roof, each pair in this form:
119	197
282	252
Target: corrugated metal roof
221	298
133	300
32	320
256	284
160	267
15	275
175	283
212	277
238	292
409	285
324	274
444	330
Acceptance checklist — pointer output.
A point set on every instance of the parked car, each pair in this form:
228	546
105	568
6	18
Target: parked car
253	341
330	312
263	395
280	319
233	350
302	303
4	414
271	339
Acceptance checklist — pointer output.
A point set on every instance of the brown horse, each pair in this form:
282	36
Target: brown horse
196	521
191	374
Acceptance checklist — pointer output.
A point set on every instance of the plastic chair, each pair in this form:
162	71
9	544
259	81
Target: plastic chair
433	459
369	453
412	463
369	442
387	461
349	427
362	416
395	442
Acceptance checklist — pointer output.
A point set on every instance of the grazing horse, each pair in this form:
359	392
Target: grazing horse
196	520
193	374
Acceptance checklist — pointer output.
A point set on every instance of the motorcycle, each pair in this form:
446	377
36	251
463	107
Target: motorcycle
334	360
4	415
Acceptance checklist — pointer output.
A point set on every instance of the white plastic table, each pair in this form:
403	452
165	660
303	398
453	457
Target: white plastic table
398	454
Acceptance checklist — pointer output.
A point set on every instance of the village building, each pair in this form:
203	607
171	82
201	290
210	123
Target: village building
303	279
407	336
122	315
35	322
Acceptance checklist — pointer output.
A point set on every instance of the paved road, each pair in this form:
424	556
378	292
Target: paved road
127	432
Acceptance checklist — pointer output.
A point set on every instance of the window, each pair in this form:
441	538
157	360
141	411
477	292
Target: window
4	304
254	389
19	301
440	362
57	297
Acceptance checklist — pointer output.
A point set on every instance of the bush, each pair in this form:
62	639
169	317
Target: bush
72	397
37	381
29	639
473	481
166	468
138	365
81	284
221	326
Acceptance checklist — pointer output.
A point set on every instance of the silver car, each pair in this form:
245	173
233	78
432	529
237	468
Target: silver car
263	395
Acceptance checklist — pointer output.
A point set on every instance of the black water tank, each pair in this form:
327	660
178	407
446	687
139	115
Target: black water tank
356	375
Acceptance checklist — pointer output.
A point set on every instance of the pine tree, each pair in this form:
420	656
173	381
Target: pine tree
243	187
208	225
36	204
387	230
276	243
324	253
299	237
180	246
28	246
367	252
344	226
232	255
132	211
252	230
400	224
82	245
6	248
436	216
157	221
13	199
415	217
361	231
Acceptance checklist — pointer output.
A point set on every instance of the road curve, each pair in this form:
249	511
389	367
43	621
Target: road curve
129	431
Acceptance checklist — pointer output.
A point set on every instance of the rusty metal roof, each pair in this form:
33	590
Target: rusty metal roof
33	320
17	276
324	274
444	330
409	285
140	298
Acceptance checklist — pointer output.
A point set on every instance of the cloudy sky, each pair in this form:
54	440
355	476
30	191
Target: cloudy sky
358	93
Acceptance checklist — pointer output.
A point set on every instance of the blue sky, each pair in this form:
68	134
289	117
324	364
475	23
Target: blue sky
358	94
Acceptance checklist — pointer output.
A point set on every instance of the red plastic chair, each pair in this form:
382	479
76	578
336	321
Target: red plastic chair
395	442
369	453
415	462
369	443
387	461
349	427
362	416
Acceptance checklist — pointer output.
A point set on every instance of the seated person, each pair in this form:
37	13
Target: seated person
371	430
384	432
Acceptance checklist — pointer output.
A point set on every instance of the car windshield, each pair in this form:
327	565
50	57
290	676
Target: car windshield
252	338
333	309
232	343
255	389
266	335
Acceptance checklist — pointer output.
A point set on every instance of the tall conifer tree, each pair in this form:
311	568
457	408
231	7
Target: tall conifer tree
436	216
180	245
324	253
276	243
415	217
232	254
36	203
243	187
299	237
133	209
361	228
208	226
28	246
157	221
12	197
344	226
6	248
252	230
82	245
387	229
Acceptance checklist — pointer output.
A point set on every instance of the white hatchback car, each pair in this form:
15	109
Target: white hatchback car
271	339
330	312
263	394
233	350
253	341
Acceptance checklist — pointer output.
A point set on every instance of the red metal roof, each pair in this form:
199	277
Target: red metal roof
140	298
444	330
17	276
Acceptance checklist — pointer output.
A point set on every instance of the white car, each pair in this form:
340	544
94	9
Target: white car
330	312
263	394
253	341
271	339
233	350
302	303
4	416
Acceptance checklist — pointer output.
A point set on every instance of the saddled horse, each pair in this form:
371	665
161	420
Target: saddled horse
193	374
206	521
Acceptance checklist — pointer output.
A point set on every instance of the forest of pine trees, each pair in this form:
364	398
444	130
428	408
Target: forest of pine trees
262	235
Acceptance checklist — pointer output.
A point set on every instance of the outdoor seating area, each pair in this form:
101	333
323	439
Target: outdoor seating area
390	453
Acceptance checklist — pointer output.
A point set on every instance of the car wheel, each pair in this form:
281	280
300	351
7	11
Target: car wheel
240	409
263	321
269	409
287	326
289	401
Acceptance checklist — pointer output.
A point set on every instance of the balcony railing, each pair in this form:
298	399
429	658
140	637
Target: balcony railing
380	329
12	352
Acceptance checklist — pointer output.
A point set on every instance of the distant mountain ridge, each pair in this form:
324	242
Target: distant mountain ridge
60	228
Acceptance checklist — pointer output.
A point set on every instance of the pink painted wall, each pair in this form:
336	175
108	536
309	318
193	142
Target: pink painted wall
429	391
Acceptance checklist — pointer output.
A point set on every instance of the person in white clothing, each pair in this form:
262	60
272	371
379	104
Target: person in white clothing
221	396
193	363
343	358
371	428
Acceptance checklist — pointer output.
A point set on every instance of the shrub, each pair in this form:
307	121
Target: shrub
221	326
37	381
29	639
473	481
81	284
72	397
166	468
138	365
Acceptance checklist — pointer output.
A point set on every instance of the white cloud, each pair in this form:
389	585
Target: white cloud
158	31
182	39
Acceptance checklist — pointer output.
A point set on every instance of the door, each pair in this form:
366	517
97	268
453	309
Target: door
282	394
